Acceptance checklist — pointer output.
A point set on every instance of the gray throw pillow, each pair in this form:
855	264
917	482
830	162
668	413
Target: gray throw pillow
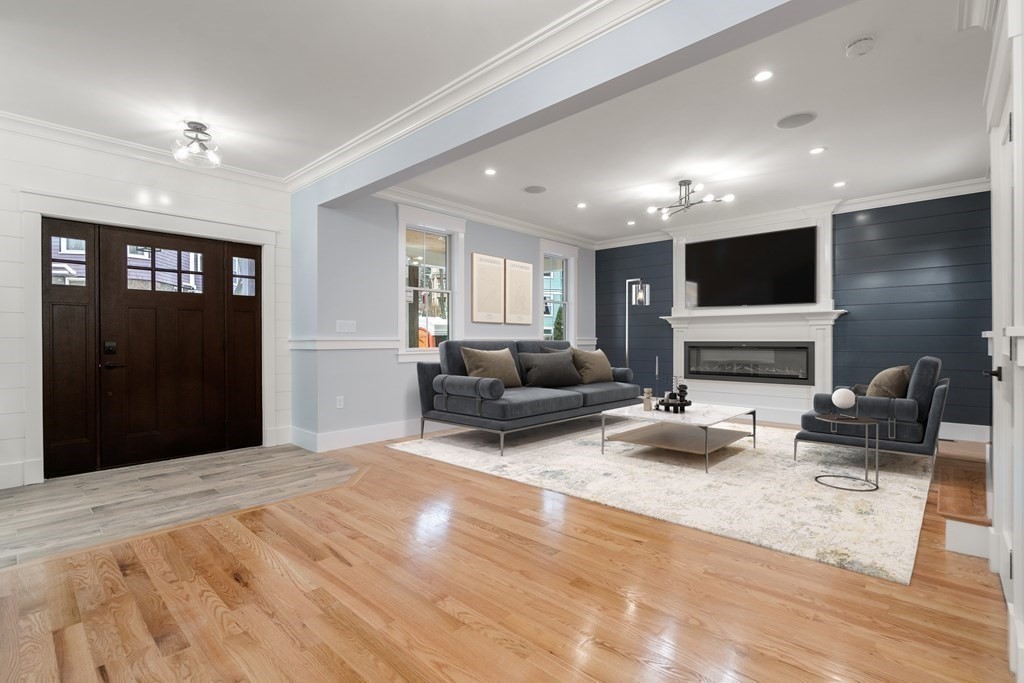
593	366
891	382
498	364
549	369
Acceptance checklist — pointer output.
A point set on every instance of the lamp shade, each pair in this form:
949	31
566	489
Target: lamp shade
844	399
640	294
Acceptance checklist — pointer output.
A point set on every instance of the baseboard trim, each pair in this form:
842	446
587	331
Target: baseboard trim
966	538
345	438
957	431
277	436
12	475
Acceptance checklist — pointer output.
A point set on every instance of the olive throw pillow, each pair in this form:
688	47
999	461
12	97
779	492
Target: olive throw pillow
499	364
593	366
549	369
891	382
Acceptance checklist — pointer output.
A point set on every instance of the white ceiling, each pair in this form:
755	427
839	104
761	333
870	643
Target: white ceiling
907	115
280	82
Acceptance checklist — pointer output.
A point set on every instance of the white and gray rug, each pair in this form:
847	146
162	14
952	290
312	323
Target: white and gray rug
759	496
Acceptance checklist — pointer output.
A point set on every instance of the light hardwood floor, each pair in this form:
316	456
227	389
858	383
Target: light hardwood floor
418	570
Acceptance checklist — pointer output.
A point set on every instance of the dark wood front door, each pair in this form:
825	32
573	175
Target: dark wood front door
169	339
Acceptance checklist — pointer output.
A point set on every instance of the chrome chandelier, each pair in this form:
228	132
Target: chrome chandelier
686	191
195	146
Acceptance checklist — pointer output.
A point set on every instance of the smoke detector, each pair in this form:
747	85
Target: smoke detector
860	46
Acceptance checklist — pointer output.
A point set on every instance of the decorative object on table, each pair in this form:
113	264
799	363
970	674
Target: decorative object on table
638	293
675	401
759	496
844	399
518	292
648	399
488	289
685	201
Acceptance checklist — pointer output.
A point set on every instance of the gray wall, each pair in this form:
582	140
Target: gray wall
487	239
917	280
650	336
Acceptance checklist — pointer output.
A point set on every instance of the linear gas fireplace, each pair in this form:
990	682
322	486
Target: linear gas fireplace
772	362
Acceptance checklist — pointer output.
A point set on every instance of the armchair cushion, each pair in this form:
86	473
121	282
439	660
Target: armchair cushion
923	382
873	406
890	383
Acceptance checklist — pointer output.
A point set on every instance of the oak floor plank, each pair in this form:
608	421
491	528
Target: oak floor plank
416	570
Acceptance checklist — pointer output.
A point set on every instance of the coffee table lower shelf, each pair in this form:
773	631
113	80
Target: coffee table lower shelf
681	437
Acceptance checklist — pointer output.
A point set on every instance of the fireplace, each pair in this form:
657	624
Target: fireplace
770	362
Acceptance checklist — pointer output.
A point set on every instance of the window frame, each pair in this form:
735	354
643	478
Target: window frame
62	246
570	257
454	229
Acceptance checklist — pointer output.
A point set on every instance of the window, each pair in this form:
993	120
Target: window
243	276
555	299
164	270
428	290
67	265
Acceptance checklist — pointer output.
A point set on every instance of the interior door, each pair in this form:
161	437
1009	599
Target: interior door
161	346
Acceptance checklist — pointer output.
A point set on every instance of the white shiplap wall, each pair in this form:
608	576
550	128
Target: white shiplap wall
50	171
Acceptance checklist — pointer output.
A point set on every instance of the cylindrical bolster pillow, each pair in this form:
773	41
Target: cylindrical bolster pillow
474	387
622	375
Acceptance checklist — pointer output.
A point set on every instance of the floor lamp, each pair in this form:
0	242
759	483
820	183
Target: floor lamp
637	294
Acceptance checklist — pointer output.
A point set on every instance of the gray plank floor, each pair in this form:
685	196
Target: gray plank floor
100	507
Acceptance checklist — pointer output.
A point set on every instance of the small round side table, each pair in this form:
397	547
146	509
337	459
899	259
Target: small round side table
865	484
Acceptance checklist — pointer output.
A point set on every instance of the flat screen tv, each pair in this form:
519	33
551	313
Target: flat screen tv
766	269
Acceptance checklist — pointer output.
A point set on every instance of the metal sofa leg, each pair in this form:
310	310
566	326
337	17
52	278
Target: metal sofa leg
501	441
795	442
423	421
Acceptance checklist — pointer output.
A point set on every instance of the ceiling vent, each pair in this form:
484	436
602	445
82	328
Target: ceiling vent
860	46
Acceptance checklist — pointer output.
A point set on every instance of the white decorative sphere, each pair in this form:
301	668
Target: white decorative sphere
843	399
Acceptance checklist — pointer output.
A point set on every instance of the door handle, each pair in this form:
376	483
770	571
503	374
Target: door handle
997	373
111	366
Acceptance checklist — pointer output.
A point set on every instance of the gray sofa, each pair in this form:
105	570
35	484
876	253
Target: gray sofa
448	395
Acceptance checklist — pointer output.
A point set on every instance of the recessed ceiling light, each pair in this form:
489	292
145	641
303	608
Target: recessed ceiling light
581	205
651	209
490	171
630	222
818	150
762	76
841	183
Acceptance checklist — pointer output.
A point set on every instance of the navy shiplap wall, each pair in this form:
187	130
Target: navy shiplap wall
650	336
917	280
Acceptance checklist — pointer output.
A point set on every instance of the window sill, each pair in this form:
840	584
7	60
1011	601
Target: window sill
418	356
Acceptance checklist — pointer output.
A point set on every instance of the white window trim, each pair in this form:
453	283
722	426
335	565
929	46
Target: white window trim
63	246
571	255
455	228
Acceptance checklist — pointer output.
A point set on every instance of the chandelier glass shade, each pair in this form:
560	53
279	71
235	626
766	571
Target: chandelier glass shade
686	192
195	146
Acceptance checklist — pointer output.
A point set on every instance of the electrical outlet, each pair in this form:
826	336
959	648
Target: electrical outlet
340	401
344	325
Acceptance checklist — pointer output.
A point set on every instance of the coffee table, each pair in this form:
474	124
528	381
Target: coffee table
690	432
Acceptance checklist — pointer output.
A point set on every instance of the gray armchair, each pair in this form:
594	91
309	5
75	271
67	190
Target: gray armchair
905	425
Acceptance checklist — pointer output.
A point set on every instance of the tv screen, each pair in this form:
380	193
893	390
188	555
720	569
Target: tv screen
766	269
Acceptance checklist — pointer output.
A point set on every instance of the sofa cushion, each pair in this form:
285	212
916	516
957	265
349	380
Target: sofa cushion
593	366
549	369
542	346
605	392
890	383
499	364
516	403
451	359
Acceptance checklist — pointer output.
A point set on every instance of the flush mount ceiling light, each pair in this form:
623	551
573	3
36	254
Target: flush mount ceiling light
195	146
685	201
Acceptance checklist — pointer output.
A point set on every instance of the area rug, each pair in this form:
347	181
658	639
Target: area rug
759	496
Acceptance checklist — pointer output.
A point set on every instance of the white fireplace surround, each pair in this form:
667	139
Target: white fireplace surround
795	323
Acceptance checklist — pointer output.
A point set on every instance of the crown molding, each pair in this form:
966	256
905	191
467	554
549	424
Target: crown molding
769	220
573	30
921	194
976	14
423	201
53	132
633	240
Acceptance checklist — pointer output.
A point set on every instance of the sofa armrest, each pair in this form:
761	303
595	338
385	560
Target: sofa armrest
425	374
487	388
622	375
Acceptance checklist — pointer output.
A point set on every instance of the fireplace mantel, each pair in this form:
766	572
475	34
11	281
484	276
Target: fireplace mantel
780	315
